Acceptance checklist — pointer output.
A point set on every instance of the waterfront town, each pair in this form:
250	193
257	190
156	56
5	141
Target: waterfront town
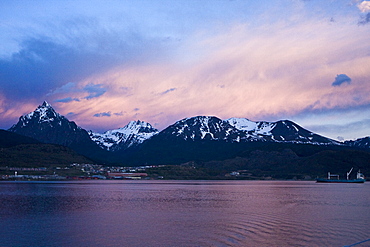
75	172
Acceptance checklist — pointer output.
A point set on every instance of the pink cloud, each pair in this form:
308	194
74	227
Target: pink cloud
266	73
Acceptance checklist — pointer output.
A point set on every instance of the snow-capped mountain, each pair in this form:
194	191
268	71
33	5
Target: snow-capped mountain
43	115
280	131
241	130
202	128
46	125
134	133
359	143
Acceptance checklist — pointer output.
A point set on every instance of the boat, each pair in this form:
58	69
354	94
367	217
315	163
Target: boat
334	178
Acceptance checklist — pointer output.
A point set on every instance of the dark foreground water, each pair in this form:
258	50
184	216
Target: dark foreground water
183	213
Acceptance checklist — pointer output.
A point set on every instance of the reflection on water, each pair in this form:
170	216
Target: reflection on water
183	213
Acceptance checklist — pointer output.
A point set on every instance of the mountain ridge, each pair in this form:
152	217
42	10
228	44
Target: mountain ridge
241	130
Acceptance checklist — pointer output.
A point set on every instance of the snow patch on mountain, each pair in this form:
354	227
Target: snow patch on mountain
242	124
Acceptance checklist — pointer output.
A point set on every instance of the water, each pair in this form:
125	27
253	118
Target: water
183	213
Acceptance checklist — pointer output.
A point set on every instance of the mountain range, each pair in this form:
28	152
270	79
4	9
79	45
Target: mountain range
202	138
48	126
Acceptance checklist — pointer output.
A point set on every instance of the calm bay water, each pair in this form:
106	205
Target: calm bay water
184	213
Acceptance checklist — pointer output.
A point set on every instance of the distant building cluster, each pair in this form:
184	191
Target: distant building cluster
87	171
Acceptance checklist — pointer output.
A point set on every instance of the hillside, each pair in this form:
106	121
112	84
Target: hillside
10	139
258	159
21	151
39	155
293	161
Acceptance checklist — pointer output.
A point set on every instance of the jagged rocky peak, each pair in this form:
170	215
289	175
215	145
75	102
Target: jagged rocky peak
133	127
134	133
46	125
42	118
139	127
44	113
45	104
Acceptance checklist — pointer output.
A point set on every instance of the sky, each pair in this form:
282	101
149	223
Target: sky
103	64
